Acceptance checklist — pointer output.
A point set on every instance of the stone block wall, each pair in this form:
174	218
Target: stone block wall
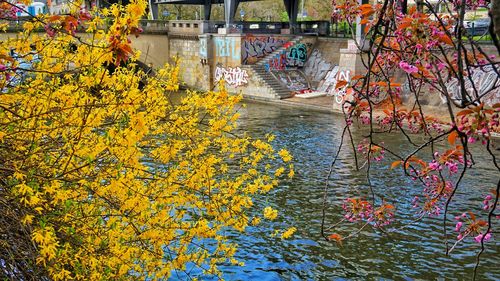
194	74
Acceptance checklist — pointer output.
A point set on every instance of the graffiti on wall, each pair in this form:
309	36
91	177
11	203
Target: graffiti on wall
232	76
483	80
328	85
227	47
278	62
297	55
294	80
316	67
255	48
203	48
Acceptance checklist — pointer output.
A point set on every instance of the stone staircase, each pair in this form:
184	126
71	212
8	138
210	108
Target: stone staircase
261	70
266	59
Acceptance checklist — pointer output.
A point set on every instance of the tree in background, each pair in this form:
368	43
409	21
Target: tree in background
427	51
318	9
180	12
268	10
102	176
274	10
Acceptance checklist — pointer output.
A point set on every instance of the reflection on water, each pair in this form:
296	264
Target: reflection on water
413	253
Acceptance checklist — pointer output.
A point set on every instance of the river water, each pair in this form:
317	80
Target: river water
416	252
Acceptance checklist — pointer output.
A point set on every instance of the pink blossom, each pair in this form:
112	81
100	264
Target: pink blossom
452	167
458	226
434	165
408	68
480	237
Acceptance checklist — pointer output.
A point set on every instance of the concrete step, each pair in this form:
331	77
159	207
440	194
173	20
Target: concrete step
273	81
261	71
265	59
280	89
276	87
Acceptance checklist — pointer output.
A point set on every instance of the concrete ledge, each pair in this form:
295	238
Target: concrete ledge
287	103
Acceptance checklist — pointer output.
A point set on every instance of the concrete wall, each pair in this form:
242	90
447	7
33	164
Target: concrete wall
154	48
206	58
226	49
194	74
329	48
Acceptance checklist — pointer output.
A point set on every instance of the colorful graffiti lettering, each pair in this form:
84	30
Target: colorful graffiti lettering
226	47
328	85
232	76
341	93
278	62
255	48
297	55
484	83
316	67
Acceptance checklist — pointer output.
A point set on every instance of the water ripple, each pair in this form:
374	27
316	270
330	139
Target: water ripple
416	252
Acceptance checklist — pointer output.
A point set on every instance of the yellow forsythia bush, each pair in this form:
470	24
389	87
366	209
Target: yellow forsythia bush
102	176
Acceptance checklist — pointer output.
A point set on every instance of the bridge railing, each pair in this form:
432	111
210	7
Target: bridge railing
261	27
181	27
321	28
154	25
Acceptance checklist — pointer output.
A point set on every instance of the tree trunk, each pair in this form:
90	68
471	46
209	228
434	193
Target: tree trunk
495	21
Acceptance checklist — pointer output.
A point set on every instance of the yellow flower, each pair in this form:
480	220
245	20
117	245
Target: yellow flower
285	155
255	221
133	165
288	233
291	173
28	219
270	213
279	171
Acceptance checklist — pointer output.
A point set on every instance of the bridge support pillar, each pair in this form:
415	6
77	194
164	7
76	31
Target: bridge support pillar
230	10
207	9
292	7
153	10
